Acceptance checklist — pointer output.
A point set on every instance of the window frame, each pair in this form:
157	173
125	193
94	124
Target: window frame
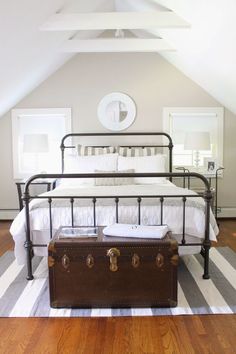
22	112
169	112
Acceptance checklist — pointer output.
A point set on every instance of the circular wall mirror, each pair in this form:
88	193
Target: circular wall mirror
116	111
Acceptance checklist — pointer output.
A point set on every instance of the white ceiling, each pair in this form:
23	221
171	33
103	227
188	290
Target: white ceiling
29	56
206	52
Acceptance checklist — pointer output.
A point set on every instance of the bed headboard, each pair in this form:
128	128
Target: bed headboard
168	145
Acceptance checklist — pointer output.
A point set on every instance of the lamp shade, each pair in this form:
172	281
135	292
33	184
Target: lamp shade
35	143
197	141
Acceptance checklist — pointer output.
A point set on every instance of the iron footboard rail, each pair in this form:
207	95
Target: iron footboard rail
27	197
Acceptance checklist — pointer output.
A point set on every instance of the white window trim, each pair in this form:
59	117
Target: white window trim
16	113
168	112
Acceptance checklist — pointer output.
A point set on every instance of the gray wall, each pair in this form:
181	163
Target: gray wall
151	81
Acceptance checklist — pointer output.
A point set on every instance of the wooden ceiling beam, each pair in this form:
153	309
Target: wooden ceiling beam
114	20
116	45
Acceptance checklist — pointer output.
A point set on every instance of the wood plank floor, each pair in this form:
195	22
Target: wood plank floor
168	334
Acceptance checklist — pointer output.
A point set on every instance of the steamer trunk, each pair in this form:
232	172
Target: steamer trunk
112	272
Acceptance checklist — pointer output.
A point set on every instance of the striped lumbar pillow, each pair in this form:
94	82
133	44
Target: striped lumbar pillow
94	150
137	151
114	181
104	181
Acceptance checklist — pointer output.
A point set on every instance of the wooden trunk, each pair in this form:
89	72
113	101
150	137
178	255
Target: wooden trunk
112	272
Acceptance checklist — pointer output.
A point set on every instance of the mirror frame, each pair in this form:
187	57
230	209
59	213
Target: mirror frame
103	117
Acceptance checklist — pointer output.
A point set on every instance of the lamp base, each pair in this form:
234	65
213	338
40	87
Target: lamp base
197	159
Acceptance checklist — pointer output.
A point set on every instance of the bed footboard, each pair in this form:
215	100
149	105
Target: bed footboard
161	199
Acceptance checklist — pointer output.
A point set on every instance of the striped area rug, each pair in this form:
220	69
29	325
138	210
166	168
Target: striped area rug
22	298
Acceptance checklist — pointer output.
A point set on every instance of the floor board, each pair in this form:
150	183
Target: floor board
165	334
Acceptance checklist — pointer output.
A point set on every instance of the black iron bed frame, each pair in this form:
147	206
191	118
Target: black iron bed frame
27	197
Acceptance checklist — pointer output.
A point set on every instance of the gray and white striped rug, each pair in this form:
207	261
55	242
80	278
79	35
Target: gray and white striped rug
22	298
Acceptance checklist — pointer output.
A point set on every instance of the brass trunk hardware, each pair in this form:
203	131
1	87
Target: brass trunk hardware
159	260
135	260
90	261
51	247
174	260
65	261
113	253
51	261
173	246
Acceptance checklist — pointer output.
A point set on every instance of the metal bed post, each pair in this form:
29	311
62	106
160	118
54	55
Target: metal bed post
216	192
28	243
62	147
170	155
207	242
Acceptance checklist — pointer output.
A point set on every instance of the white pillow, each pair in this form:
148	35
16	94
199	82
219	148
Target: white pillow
154	163
88	164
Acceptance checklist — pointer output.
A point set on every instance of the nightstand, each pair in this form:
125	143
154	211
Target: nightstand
50	184
213	185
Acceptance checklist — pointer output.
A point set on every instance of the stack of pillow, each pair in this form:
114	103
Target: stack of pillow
111	160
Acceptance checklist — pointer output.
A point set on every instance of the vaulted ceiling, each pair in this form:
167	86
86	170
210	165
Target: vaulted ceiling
37	37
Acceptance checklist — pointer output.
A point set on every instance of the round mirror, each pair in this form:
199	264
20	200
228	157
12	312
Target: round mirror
116	111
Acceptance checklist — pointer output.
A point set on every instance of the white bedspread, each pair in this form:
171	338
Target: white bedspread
106	212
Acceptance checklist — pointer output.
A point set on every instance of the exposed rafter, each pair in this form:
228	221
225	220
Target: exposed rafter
116	45
113	20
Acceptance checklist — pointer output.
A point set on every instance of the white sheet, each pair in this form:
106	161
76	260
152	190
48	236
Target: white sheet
105	212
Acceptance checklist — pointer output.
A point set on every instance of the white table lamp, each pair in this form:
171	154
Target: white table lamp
197	141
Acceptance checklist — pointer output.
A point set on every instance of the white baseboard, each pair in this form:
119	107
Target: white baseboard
8	214
227	213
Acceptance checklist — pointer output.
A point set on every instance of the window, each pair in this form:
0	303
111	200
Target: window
36	137
180	121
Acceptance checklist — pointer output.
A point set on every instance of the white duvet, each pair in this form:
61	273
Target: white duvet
106	212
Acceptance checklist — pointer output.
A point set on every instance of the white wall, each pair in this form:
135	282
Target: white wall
151	81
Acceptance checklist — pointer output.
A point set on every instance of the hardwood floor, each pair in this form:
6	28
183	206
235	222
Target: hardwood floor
6	241
168	334
227	236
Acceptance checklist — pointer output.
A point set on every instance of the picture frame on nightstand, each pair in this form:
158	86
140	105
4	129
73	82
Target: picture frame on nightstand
210	165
